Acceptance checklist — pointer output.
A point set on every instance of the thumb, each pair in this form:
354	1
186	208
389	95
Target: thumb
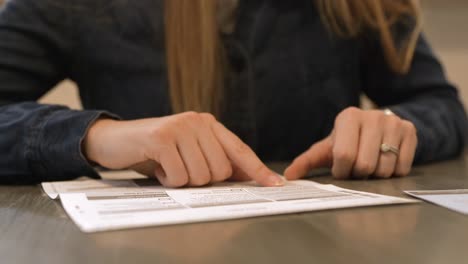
317	156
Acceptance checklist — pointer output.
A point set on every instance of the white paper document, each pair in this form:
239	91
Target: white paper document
456	200
53	189
99	205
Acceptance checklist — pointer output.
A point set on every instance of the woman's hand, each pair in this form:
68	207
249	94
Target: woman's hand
188	149
354	148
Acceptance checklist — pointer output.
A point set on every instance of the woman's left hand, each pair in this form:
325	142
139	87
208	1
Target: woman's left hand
363	143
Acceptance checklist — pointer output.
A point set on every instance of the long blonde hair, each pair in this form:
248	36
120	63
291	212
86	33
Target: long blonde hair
196	59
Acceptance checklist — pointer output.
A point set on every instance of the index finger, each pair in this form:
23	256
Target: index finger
244	157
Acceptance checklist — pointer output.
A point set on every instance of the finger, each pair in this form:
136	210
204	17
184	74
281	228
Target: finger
218	162
158	170
319	155
392	137
145	168
346	142
244	158
370	139
197	167
238	175
408	148
174	173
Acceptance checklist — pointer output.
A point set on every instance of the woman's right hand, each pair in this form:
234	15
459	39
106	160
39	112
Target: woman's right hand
189	149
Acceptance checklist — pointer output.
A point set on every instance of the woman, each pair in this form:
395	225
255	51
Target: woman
190	89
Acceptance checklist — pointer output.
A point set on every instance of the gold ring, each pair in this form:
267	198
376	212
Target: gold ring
387	148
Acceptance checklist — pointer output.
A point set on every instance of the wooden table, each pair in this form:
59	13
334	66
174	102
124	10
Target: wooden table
35	229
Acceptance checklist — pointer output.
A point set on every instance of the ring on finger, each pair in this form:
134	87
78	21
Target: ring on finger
384	148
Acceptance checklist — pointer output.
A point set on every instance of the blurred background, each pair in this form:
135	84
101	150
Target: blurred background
445	27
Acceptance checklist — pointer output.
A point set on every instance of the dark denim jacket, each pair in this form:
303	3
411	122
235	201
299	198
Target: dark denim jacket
291	78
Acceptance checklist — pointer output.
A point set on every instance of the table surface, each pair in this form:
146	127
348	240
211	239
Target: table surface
35	229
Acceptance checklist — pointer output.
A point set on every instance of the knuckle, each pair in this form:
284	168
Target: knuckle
222	173
190	115
162	136
187	118
364	168
343	156
352	110
176	182
226	172
376	119
383	173
348	113
178	124
393	118
409	127
200	176
410	131
200	181
186	121
409	124
208	117
339	174
402	172
393	122
376	115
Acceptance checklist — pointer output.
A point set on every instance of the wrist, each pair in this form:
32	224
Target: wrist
94	139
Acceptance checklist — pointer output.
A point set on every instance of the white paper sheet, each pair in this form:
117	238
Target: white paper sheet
456	200
109	183
96	205
53	189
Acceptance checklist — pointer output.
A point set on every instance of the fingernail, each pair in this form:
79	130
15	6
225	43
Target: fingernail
275	180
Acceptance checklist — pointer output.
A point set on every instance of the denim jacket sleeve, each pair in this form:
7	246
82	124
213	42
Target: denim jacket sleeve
37	142
422	96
